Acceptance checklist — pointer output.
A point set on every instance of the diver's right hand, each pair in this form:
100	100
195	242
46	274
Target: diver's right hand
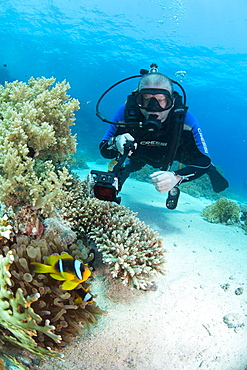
120	140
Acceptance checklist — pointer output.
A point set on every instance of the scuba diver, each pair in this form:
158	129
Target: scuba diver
159	129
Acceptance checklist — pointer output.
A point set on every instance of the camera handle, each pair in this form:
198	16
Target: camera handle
129	145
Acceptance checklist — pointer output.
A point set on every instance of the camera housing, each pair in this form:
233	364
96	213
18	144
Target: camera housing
103	185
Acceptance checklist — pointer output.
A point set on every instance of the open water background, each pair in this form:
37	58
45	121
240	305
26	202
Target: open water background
92	44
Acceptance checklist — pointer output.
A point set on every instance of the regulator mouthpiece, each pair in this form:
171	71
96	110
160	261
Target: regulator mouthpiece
153	124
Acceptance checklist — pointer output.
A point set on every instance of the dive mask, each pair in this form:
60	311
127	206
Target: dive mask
154	100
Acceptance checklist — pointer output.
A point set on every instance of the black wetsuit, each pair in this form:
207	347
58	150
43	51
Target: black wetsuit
153	148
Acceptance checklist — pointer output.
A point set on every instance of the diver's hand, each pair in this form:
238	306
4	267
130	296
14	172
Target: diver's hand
164	180
121	140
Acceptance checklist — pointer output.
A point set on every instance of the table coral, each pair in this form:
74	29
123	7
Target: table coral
222	211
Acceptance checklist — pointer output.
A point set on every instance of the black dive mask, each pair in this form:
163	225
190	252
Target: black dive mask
159	101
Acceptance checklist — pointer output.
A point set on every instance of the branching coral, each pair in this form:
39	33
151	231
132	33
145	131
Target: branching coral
223	210
35	120
39	114
133	251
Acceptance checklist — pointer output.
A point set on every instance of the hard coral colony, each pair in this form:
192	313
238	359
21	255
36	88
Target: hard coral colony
46	211
38	116
222	211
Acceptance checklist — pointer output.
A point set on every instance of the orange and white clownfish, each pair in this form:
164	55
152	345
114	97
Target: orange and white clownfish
83	296
64	267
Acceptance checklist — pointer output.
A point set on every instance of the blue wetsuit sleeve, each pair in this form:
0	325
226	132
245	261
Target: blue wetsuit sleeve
111	153
118	116
191	121
197	148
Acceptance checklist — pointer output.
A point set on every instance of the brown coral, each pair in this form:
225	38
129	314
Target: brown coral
223	210
58	318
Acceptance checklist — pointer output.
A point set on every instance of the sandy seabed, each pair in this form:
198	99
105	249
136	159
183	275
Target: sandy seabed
180	325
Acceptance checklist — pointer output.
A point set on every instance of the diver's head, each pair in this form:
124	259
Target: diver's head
155	95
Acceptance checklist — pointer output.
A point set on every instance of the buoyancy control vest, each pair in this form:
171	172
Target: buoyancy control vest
133	116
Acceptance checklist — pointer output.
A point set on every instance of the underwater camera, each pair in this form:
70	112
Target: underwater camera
105	185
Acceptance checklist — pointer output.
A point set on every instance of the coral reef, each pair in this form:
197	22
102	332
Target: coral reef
130	248
35	139
222	211
46	210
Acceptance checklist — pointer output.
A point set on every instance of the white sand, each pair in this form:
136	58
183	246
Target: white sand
179	326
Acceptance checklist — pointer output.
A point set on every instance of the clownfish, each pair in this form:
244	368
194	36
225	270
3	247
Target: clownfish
83	296
64	267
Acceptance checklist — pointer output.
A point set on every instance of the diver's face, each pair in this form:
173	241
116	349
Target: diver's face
162	116
161	99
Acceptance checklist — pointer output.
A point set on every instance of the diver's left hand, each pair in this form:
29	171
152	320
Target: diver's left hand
164	180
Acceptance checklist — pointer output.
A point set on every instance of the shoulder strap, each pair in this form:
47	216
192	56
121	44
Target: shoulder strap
177	122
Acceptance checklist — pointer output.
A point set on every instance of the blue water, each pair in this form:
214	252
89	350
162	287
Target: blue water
92	44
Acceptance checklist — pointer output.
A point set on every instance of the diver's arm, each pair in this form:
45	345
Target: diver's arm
195	149
115	145
106	147
164	181
105	151
193	171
